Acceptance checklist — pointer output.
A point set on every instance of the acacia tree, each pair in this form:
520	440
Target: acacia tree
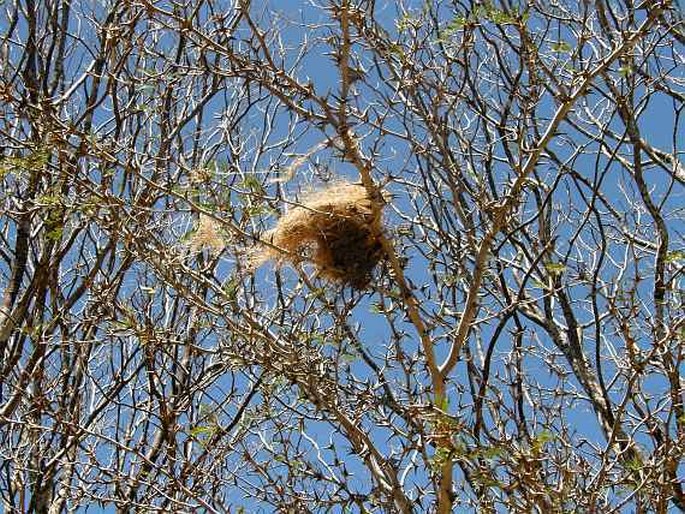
519	349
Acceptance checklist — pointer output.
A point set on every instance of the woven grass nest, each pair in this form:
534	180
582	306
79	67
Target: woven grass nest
335	229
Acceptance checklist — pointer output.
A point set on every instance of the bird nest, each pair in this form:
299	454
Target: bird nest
336	229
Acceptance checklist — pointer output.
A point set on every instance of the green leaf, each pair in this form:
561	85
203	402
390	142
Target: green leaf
541	439
55	234
31	162
538	284
257	210
253	184
349	357
200	431
561	47
492	452
625	70
634	464
397	50
555	268
231	288
457	23
316	339
545	436
376	308
499	17
50	199
403	23
675	256
441	456
185	238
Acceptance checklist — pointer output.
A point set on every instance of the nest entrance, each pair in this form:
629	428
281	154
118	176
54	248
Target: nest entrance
335	229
